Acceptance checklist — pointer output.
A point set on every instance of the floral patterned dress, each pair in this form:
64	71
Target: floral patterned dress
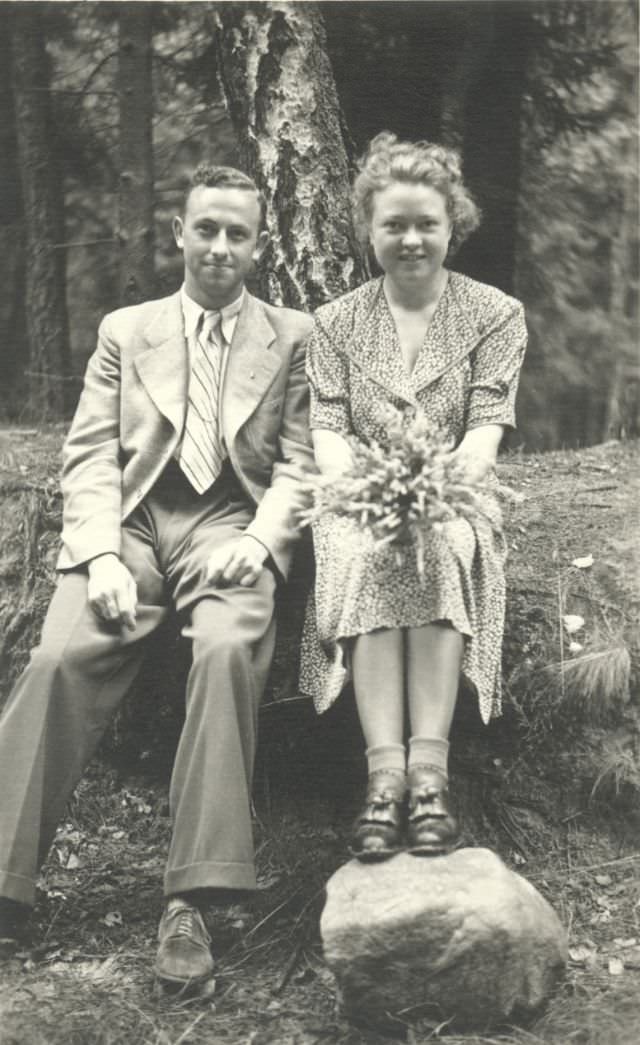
466	375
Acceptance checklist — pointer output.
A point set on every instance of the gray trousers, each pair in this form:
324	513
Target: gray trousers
77	676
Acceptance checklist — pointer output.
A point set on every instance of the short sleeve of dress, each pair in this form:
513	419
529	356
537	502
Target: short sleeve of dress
328	376
496	372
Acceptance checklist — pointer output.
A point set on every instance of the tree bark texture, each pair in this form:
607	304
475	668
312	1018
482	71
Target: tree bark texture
13	333
135	196
43	201
282	99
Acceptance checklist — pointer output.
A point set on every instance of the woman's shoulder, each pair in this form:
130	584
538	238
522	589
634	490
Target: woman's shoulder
344	311
483	302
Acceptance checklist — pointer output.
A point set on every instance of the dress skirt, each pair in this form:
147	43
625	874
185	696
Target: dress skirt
362	586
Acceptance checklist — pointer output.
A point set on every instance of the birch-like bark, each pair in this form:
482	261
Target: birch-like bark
282	99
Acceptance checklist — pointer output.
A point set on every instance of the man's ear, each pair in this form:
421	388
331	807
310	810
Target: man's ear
261	245
177	227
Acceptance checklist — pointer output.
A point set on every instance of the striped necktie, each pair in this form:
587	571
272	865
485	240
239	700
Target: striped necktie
201	455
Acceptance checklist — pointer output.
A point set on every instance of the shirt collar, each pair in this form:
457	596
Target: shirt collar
192	313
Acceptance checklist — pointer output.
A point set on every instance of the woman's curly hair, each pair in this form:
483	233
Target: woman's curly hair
425	163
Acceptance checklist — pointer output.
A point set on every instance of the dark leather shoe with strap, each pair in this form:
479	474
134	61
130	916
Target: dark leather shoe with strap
183	958
432	827
379	828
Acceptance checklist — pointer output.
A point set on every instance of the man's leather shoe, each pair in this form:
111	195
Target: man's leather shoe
432	827
183	957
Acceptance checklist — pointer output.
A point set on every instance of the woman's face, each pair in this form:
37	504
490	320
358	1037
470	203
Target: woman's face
410	231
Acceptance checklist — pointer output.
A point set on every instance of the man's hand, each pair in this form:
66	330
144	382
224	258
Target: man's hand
112	591
239	562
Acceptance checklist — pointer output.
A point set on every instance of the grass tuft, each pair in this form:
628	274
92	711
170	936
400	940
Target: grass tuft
597	682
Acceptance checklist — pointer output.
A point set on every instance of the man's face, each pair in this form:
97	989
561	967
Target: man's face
220	239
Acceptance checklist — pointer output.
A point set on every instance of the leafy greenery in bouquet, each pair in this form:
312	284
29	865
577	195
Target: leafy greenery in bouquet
402	490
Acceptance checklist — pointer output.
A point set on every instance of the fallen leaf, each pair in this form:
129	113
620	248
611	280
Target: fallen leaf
603	879
582	954
573	622
584	562
616	966
575	647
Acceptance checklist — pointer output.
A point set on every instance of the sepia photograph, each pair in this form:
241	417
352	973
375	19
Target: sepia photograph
319	522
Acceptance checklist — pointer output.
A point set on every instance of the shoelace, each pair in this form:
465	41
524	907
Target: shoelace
186	922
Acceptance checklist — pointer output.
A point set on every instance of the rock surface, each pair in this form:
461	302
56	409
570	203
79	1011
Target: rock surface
454	937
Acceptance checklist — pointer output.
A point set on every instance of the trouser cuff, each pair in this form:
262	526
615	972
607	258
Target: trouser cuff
16	887
217	875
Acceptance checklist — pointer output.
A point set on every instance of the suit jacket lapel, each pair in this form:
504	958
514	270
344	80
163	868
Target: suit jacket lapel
251	366
163	367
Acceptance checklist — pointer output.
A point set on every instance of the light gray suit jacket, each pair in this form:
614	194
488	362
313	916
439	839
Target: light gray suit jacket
131	415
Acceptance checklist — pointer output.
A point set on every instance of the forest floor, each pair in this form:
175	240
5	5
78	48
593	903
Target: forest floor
84	977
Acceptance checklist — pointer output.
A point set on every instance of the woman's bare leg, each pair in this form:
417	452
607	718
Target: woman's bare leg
434	659
378	679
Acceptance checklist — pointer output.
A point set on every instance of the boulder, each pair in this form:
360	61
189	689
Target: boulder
457	937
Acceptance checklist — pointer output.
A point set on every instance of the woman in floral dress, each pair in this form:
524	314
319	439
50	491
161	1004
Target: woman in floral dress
420	337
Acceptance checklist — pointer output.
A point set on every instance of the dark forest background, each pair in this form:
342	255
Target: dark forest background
106	107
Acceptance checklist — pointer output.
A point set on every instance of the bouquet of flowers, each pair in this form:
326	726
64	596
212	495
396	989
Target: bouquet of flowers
402	490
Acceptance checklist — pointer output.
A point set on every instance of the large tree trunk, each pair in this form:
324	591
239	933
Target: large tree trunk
282	99
135	198
46	310
13	334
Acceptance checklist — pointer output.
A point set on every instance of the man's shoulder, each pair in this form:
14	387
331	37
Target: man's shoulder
290	322
137	317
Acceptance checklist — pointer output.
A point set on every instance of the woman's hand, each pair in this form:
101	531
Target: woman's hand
332	452
475	468
478	451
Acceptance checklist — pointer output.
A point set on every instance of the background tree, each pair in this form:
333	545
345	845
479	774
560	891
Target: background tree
13	335
135	197
45	304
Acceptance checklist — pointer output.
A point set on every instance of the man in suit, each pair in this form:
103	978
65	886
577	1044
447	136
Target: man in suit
181	479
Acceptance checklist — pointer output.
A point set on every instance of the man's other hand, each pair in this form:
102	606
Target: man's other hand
239	562
112	591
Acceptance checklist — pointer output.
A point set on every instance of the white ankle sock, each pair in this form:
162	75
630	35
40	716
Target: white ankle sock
429	751
386	757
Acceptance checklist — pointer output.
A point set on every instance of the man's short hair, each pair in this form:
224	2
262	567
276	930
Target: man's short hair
218	177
